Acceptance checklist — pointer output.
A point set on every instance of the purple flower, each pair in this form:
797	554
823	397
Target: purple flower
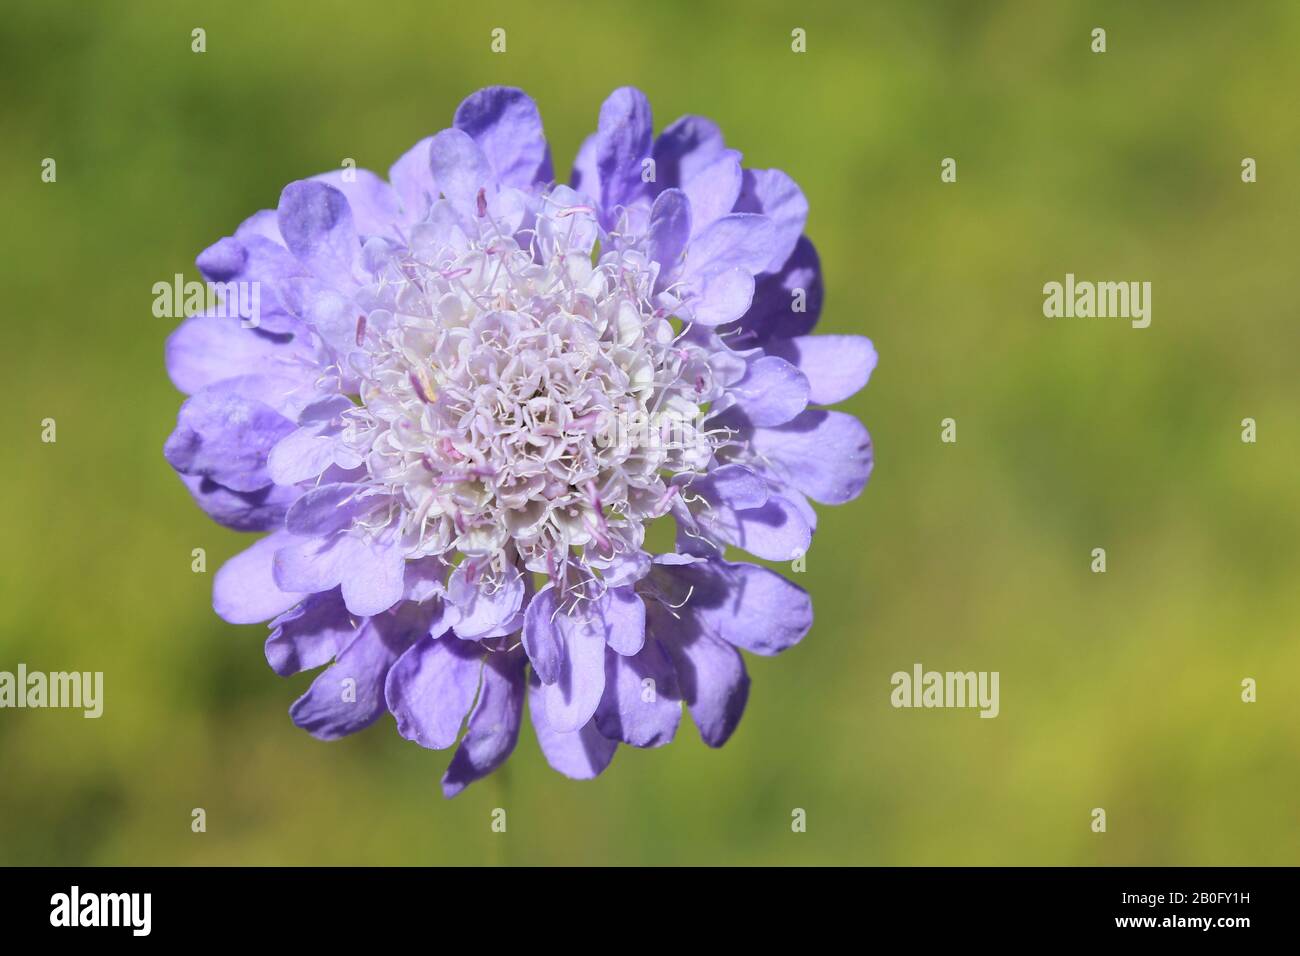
468	393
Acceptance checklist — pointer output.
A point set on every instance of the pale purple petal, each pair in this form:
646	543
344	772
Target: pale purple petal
300	456
507	127
774	532
349	695
333	316
627	568
622	614
252	257
743	604
222	261
711	676
585	177
326	509
541	636
313	564
777	196
772	392
318	229
460	169
244	589
684	148
837	366
733	486
743	512
786	303
431	688
493	724
581	754
642	704
260	510
669	230
713	190
425	579
226	437
484	604
572	699
826	455
374	203
370	570
264	224
373	580
207	349
722	297
623	140
310	634
738	241
412	180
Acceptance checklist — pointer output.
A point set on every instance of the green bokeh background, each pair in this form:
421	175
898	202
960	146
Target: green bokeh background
1119	690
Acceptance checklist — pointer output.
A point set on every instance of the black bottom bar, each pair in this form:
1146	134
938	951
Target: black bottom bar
332	905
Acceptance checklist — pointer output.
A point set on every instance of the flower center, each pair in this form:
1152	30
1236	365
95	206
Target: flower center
520	389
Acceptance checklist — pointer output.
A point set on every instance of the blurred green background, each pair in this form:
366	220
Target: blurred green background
1119	690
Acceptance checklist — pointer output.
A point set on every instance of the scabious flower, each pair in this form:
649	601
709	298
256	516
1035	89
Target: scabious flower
421	417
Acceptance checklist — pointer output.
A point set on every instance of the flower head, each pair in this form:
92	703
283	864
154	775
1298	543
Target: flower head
470	391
